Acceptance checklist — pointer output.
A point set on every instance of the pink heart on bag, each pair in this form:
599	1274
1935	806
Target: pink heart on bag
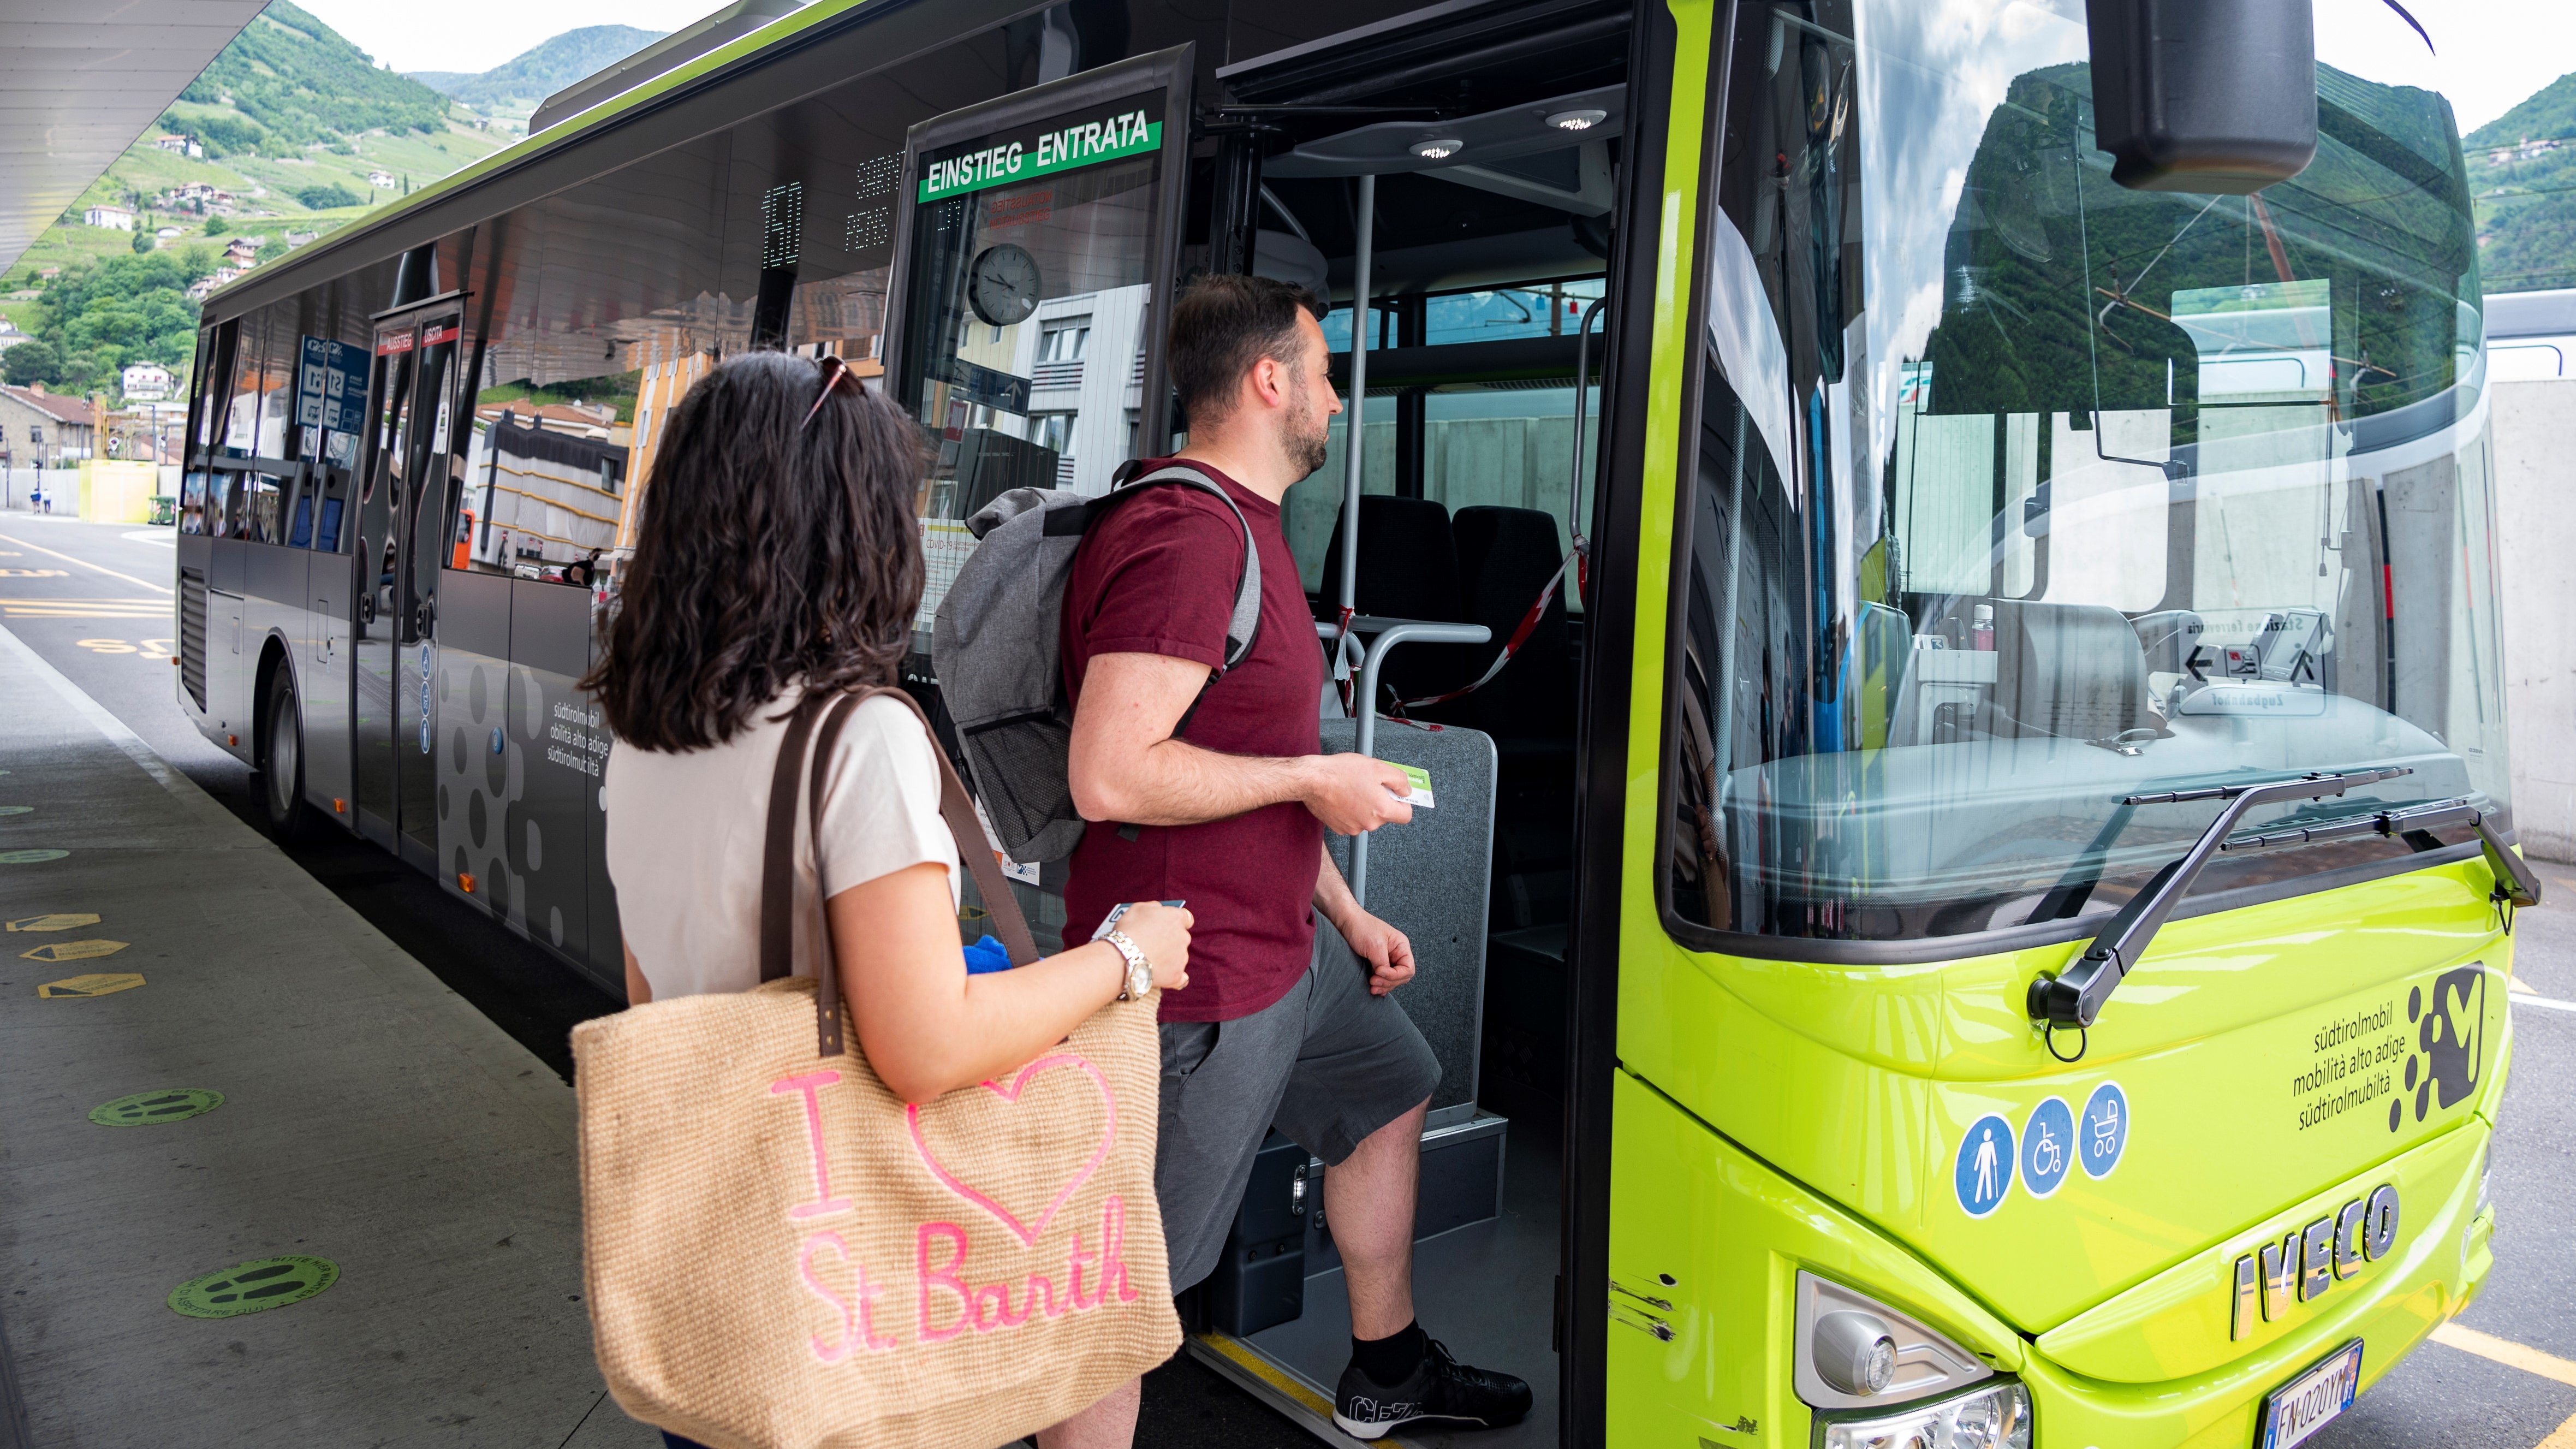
1109	1133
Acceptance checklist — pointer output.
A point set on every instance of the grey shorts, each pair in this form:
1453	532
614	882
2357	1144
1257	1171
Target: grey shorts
1327	1064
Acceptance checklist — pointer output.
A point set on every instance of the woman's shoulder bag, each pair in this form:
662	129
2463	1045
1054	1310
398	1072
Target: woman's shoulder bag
782	1253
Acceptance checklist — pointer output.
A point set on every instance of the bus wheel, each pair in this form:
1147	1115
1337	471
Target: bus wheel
281	782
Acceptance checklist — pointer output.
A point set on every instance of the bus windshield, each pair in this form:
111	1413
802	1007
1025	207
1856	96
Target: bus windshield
2018	493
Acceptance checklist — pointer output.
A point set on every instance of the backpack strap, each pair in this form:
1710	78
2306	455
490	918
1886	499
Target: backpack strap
1245	623
956	808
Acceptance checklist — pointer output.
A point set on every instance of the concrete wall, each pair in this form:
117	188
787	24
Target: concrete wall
2535	453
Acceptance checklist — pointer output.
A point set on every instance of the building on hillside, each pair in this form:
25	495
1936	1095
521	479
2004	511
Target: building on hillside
178	145
114	218
146	382
242	252
595	421
296	239
43	428
382	180
168	234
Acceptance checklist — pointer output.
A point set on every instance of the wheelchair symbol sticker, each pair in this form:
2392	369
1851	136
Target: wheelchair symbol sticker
2103	1134
2047	1146
1984	1171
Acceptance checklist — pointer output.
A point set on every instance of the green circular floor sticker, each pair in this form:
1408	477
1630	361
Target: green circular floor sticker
250	1287
30	857
176	1105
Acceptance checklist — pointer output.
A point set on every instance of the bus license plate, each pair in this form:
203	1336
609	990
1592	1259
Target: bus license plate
2294	1414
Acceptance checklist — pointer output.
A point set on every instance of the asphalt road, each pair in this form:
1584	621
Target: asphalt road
95	602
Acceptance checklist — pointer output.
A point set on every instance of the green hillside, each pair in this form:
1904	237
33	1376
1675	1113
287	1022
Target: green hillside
296	79
515	87
294	127
2522	169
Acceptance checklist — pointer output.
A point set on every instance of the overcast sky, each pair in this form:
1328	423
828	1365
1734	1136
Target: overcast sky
2490	53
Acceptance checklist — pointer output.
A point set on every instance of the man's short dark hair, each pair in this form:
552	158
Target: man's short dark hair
1223	325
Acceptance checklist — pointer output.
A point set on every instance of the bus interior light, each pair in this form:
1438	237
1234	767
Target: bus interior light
1439	149
1583	119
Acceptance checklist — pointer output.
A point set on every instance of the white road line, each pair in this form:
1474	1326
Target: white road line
159	537
2525	998
85	563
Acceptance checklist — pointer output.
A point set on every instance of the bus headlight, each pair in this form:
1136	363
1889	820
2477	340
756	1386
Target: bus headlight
1994	1417
1854	1352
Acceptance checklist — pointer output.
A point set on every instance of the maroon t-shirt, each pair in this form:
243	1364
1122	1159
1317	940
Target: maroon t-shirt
1157	576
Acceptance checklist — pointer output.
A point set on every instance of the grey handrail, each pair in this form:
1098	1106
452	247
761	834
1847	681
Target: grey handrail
1378	649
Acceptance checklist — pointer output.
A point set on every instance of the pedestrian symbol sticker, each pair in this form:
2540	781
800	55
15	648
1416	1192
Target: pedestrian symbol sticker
30	857
2047	1146
105	983
73	950
1985	1168
59	921
251	1287
144	1108
2104	1132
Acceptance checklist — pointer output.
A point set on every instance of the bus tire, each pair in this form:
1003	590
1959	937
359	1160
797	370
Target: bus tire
280	781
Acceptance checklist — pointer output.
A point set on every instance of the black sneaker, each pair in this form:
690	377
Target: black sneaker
1441	1390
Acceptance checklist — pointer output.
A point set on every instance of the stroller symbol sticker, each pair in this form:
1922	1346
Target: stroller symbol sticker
2104	1133
2047	1146
1984	1172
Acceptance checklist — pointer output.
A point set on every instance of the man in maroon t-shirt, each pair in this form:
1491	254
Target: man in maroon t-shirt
1286	1021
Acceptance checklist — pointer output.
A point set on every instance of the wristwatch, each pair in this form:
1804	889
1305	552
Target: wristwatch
1140	972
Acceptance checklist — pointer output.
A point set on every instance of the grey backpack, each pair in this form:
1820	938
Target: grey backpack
994	646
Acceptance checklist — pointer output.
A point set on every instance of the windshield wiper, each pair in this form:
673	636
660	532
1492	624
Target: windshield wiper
2074	997
2516	884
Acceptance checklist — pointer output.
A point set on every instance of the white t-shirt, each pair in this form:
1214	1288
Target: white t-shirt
685	839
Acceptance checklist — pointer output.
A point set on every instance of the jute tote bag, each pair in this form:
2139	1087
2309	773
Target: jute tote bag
781	1253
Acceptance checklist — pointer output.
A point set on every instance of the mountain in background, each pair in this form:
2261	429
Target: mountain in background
2522	170
296	81
514	87
291	133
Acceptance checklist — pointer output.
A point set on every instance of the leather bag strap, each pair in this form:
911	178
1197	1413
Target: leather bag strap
778	846
956	808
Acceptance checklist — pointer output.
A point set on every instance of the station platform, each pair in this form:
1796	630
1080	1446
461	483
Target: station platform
263	1179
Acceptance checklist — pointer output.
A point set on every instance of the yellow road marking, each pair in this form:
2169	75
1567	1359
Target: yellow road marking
106	983
73	950
85	563
2564	1438
59	921
2512	1355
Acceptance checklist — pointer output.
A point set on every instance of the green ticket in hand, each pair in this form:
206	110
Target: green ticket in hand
1420	799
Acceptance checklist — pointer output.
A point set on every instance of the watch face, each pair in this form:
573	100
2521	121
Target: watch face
1002	285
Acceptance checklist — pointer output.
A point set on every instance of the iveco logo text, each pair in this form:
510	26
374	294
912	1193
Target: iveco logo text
2306	1263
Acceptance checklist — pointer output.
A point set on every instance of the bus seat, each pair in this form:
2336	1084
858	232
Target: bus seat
2074	671
1505	556
1428	879
1408	569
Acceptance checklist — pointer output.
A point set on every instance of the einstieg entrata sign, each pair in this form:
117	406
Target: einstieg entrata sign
1132	127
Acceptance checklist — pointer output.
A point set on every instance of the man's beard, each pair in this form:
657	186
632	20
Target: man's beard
1307	451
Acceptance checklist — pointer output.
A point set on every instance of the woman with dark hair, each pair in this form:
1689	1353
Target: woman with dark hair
777	554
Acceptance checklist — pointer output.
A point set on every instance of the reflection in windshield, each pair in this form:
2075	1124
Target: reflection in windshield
2019	492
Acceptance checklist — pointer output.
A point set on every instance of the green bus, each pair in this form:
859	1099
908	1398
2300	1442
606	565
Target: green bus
1962	594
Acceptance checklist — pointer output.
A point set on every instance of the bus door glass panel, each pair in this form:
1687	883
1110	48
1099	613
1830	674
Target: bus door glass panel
1036	232
424	510
384	467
